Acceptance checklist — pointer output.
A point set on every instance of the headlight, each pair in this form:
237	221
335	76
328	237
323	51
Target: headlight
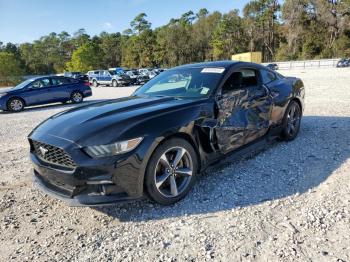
113	149
3	94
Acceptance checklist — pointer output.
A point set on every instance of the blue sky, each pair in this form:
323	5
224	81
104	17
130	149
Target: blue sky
27	20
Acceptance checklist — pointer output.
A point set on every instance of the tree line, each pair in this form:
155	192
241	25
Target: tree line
294	30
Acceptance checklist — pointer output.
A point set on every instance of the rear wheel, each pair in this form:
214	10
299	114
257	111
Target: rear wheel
114	83
291	121
15	105
76	97
171	171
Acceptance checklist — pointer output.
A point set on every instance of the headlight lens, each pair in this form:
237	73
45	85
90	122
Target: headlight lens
3	94
113	149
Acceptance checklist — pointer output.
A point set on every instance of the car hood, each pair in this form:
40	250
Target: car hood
6	90
107	121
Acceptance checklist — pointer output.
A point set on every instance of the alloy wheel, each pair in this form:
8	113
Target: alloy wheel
293	120
77	97
16	105
173	172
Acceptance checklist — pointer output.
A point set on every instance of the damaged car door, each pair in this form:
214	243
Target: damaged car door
244	108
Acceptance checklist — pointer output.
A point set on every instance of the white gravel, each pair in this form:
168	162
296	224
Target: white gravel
288	203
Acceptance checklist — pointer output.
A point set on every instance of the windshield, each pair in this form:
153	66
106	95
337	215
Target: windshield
23	84
182	83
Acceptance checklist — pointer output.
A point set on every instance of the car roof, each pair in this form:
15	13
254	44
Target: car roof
39	77
222	64
46	76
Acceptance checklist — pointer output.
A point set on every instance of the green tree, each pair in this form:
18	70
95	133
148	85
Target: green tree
110	45
138	43
10	69
85	58
261	25
296	29
140	24
229	36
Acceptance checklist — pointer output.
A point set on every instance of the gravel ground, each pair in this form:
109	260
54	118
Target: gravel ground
290	202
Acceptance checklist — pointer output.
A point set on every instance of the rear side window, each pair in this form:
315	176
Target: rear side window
267	76
63	81
249	77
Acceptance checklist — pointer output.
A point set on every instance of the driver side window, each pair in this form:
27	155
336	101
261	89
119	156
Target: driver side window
41	83
243	78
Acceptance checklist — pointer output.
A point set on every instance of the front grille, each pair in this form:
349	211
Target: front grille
52	154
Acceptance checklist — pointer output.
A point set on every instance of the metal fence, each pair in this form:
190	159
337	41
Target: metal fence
306	64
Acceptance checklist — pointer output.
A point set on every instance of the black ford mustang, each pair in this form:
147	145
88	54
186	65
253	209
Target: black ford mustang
156	141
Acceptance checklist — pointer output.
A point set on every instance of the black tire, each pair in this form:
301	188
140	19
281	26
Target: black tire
291	121
94	83
15	104
114	83
183	174
76	97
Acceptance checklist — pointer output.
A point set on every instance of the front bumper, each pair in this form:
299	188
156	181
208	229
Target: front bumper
66	186
92	181
124	82
3	105
92	199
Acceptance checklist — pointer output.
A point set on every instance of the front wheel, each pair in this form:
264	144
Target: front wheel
76	97
114	83
171	171
291	121
15	105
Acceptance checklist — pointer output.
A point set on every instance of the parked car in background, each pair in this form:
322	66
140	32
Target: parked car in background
77	75
136	77
73	74
91	73
272	66
43	90
155	142
159	70
344	62
116	70
110	78
153	73
148	71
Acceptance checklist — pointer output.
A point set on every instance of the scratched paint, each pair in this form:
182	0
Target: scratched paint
244	115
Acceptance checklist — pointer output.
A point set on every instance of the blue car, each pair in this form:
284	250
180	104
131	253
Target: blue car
43	90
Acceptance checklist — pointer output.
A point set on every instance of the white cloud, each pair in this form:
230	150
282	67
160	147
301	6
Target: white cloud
107	25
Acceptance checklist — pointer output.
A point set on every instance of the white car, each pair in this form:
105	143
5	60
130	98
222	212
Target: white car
147	71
